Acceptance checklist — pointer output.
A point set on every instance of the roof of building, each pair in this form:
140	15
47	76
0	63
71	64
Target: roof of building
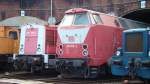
22	20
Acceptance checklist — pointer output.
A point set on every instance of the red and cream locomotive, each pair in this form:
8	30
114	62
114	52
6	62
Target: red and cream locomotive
86	40
37	47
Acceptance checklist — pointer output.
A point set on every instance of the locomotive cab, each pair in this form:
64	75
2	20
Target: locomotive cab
134	58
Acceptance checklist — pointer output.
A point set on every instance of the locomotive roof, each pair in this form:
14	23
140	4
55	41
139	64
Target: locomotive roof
81	10
136	30
35	25
122	22
21	20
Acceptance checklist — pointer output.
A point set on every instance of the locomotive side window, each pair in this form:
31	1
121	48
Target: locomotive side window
97	18
117	23
134	42
81	19
13	35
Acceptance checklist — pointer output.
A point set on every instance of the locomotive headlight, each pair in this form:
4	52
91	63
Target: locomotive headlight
35	59
84	46
149	53
38	48
85	53
21	47
61	52
118	53
61	46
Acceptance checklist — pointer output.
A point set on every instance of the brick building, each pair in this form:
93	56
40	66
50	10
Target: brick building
42	8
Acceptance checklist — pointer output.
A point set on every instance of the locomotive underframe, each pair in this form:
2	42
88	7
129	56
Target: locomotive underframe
79	68
134	67
5	62
34	62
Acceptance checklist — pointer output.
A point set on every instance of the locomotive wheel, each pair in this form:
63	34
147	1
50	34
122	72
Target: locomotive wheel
146	81
32	70
91	72
35	69
10	67
64	76
86	72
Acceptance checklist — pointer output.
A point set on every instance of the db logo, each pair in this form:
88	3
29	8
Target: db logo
71	38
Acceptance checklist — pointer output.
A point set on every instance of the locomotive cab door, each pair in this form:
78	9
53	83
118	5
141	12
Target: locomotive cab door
31	38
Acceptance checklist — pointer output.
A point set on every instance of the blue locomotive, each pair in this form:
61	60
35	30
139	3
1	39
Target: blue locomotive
133	59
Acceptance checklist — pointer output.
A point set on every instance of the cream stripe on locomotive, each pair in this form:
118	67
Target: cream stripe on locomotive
72	36
41	40
22	39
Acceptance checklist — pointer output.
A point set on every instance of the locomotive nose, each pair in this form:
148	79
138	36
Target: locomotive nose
73	51
73	41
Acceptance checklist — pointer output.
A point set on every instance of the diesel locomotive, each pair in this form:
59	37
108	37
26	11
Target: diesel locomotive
10	38
133	58
37	48
86	40
9	45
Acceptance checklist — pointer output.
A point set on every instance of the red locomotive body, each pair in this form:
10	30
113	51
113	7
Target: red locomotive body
37	47
36	40
86	40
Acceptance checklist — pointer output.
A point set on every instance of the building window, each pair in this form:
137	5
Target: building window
79	3
70	1
142	3
3	15
26	3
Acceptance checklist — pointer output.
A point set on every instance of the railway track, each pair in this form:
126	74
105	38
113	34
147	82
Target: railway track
51	79
79	81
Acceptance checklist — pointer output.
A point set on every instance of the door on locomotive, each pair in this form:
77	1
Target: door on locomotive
134	57
37	48
9	44
81	46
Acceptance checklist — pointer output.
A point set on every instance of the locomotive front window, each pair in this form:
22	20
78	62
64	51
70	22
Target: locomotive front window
75	19
134	42
81	19
13	35
67	20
